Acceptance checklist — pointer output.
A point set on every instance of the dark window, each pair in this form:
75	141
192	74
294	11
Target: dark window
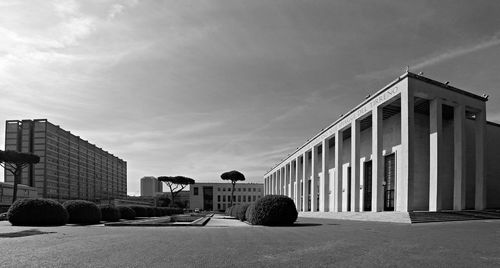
218	197
223	198
244	198
195	190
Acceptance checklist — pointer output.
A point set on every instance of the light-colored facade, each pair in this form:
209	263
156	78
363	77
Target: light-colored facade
69	167
415	145
150	186
7	190
217	196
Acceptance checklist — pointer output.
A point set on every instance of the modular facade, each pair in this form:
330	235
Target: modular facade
415	145
69	167
217	196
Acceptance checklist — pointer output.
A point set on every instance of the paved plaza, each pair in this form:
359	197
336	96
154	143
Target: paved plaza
229	243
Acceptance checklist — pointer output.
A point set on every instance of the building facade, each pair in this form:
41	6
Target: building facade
217	196
7	191
415	145
69	167
150	186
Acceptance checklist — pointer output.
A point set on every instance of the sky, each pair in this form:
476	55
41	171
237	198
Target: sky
197	88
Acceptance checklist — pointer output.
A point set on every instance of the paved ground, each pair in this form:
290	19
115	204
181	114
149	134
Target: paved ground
311	243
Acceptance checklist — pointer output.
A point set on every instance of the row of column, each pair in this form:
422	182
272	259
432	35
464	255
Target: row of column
292	178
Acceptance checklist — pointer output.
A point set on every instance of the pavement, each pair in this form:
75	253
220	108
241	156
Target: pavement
229	243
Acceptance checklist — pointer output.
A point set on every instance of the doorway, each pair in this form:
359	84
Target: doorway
389	181
367	186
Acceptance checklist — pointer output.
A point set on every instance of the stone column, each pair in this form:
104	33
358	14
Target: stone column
298	191
377	160
324	199
305	186
355	185
314	178
293	179
283	180
289	180
337	179
404	185
480	125
436	154
459	157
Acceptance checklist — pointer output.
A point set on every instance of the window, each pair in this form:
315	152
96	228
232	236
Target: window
249	198
218	197
239	189
239	198
218	189
195	190
244	198
254	197
244	189
223	198
218	205
223	189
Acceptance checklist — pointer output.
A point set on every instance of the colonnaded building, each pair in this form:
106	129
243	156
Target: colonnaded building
217	196
415	145
69	167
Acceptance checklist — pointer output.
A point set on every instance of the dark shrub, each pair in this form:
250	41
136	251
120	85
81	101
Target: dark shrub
82	212
174	211
126	213
151	211
158	212
140	211
109	213
274	210
240	213
37	212
249	212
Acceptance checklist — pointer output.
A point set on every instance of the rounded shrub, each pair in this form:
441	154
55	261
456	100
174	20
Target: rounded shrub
241	212
249	212
140	211
109	213
37	212
274	210
126	213
82	212
151	211
158	212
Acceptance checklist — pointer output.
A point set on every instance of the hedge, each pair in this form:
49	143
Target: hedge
82	212
241	212
126	213
109	213
249	212
37	212
150	211
274	210
140	211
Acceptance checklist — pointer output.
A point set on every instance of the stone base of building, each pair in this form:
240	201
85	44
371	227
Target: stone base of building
390	216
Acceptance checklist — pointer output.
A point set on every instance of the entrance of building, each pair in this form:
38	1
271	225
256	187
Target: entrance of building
389	181
208	198
367	186
349	178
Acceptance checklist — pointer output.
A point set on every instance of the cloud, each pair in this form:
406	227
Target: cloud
435	58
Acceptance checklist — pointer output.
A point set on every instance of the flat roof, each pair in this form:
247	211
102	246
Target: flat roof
378	93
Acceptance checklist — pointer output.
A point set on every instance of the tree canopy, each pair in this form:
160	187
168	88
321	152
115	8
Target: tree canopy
232	176
14	162
176	184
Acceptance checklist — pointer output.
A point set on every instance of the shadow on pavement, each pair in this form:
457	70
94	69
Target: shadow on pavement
23	233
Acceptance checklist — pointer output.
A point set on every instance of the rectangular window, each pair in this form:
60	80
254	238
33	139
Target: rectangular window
239	198
239	189
223	198
223	189
244	198
256	196
244	189
218	197
218	189
218	205
195	190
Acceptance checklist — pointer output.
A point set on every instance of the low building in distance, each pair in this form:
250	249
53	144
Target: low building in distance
150	186
217	196
415	145
69	167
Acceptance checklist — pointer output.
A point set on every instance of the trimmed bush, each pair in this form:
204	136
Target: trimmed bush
126	213
241	211
274	210
140	211
234	211
109	213
249	212
151	211
37	212
159	212
82	212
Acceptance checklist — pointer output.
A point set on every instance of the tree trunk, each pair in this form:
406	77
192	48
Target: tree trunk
232	193
17	175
